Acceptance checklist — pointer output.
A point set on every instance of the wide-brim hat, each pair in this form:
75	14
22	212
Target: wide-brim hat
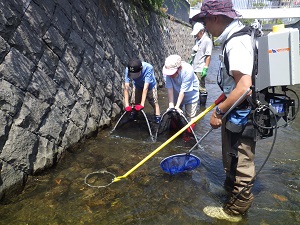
216	7
172	63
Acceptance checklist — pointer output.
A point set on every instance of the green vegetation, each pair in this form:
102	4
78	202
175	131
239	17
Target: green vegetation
194	2
259	5
149	4
156	5
146	6
268	21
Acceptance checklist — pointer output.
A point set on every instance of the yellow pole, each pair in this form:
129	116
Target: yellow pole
194	120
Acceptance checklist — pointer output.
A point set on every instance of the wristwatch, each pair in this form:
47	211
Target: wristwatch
218	111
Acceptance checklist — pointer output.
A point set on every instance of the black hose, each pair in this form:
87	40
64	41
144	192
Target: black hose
232	200
275	127
298	106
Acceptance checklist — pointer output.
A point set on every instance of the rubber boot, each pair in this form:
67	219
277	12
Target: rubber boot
157	119
203	97
238	205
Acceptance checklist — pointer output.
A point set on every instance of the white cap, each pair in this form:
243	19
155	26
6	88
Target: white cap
172	63
197	27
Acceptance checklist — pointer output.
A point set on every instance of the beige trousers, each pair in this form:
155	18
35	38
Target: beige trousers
202	87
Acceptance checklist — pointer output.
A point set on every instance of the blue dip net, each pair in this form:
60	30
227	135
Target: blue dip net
179	163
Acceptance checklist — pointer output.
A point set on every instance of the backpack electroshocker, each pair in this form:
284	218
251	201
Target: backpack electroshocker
276	65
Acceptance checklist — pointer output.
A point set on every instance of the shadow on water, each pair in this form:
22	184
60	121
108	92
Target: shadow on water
148	195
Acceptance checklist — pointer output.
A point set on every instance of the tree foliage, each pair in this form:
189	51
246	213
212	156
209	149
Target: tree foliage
149	4
194	2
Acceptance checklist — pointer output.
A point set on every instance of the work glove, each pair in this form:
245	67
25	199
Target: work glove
204	72
138	107
191	128
128	108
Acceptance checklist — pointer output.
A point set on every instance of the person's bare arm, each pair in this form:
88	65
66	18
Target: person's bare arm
243	82
126	94
179	100
171	98
144	94
207	61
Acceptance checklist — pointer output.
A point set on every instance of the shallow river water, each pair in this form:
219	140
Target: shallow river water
150	196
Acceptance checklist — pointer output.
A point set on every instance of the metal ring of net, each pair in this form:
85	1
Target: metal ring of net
104	177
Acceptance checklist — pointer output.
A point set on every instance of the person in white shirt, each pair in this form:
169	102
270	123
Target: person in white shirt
201	57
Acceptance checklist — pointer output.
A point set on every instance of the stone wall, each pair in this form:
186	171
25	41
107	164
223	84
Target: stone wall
61	74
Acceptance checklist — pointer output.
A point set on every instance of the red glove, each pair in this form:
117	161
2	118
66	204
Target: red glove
191	128
138	107
128	108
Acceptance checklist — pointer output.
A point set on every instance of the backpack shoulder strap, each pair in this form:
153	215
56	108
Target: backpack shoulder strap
245	30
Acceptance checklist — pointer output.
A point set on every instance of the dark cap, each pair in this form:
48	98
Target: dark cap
134	67
216	7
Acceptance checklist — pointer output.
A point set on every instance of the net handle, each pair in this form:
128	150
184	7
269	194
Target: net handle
194	120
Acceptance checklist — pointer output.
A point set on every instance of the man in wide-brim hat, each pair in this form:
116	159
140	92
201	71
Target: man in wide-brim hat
238	147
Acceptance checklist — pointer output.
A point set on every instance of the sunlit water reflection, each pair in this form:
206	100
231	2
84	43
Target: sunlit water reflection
148	195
